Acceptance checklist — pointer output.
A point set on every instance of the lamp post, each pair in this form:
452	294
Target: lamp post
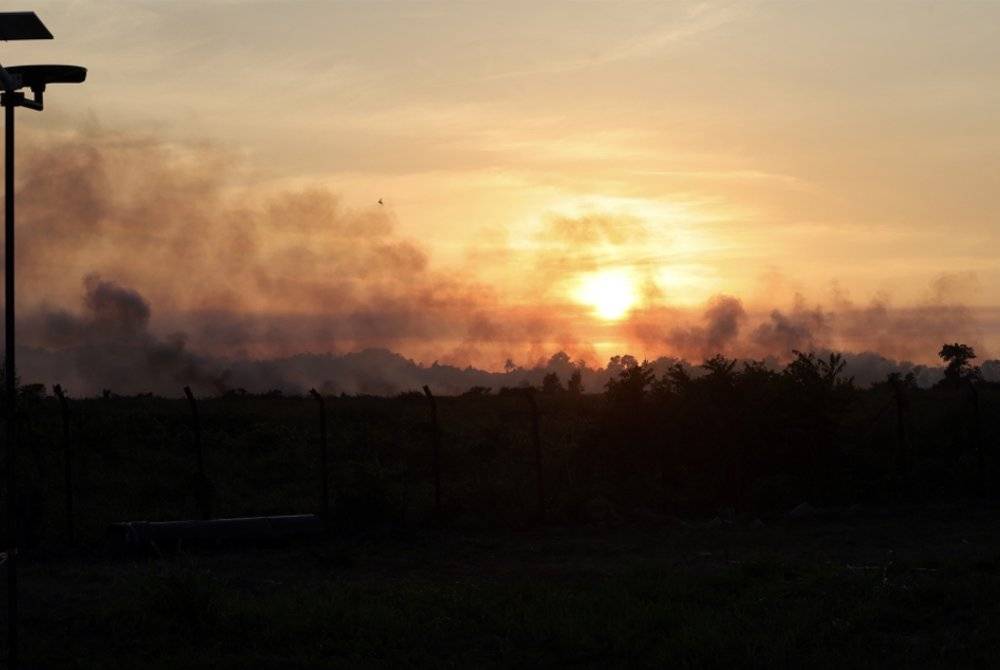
18	26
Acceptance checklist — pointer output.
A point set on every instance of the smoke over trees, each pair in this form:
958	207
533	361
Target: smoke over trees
722	320
108	343
192	274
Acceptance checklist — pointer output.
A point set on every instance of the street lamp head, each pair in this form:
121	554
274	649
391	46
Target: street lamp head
27	26
36	77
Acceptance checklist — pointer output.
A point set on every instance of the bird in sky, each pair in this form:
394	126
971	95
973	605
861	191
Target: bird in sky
380	201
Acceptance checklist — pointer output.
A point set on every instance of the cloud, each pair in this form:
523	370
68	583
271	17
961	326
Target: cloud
697	19
594	229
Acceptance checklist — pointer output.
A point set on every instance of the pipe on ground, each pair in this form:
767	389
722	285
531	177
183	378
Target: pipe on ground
139	536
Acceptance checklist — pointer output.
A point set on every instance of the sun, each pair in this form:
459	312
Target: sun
610	293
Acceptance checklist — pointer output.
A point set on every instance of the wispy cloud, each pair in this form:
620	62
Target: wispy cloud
724	175
699	19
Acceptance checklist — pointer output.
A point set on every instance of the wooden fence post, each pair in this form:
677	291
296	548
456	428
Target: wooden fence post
903	455
202	486
536	439
324	475
984	478
436	443
67	462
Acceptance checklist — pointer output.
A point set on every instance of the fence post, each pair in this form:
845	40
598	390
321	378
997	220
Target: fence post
984	483
902	439
436	441
67	462
324	481
202	487
536	439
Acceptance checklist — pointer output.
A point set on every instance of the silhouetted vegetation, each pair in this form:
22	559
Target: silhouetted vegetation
722	445
726	438
958	369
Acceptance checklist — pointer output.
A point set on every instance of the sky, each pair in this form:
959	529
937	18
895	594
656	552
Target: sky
600	178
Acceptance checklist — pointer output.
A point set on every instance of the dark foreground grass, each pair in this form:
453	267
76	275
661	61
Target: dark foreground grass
900	592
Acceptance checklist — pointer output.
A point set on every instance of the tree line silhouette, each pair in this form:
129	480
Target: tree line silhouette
729	438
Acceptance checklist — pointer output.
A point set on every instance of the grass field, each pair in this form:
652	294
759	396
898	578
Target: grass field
645	559
871	589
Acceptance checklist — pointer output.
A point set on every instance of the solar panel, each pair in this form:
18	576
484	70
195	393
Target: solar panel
22	26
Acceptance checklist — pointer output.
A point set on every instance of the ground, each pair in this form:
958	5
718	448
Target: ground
864	588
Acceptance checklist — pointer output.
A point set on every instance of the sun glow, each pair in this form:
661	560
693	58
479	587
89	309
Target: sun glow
611	293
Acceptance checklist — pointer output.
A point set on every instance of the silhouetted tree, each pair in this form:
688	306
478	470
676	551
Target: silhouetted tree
719	366
810	371
575	384
813	405
551	384
676	380
958	369
959	373
756	375
630	386
720	379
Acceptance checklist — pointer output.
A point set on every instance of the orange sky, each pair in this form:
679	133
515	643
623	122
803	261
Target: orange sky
589	175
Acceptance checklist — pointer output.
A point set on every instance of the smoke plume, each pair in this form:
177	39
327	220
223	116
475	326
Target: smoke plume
197	271
722	319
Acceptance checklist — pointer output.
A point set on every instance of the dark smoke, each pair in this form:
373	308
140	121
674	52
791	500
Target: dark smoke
251	281
114	310
109	345
802	329
256	271
722	318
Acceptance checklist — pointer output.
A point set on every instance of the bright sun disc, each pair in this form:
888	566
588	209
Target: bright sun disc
611	293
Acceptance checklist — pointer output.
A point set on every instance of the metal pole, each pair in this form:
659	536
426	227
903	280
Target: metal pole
976	442
536	441
10	386
902	440
202	487
67	462
324	476
436	456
